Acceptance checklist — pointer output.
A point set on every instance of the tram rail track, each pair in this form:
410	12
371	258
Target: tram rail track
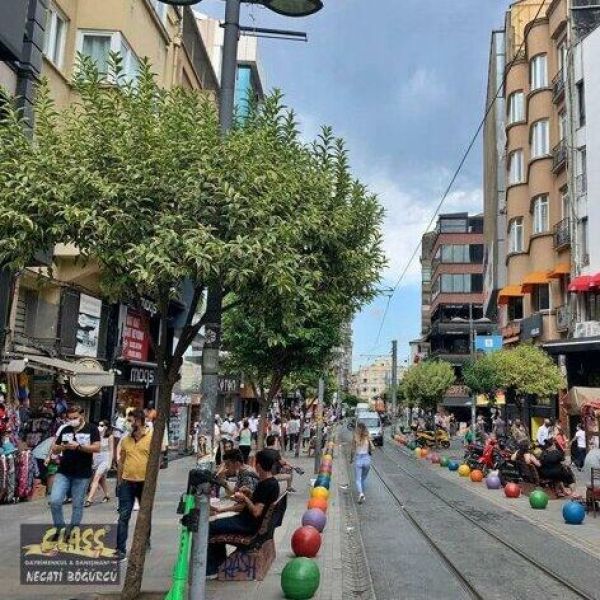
469	587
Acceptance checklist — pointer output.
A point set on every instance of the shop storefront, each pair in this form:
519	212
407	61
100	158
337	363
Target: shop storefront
136	384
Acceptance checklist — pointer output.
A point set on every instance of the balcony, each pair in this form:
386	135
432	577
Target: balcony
558	87
559	156
562	234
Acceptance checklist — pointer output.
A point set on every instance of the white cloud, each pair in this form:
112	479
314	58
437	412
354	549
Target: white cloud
408	213
421	91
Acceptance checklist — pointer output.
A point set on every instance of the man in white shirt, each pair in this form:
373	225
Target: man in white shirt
253	426
580	447
293	431
543	433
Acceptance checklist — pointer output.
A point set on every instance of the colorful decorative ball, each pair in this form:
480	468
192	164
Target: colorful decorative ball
512	490
328	457
573	512
306	541
452	465
424	452
435	458
319	492
417	452
300	579
322	481
493	482
444	460
538	499
326	469
464	470
315	517
318	503
476	476
411	445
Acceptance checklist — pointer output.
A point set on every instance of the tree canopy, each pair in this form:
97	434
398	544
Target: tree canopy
425	383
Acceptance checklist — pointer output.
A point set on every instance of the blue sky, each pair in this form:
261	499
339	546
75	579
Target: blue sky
403	81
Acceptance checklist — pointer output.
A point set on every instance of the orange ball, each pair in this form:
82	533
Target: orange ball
318	503
424	452
476	476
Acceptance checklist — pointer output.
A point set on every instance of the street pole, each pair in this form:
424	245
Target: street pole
214	303
394	384
472	353
319	436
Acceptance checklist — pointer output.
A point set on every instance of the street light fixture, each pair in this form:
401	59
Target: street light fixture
288	8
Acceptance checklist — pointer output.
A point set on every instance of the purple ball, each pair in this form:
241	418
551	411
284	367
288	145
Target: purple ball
315	517
493	482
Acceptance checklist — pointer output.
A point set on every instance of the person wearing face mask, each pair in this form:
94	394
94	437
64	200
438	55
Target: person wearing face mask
102	462
76	444
131	473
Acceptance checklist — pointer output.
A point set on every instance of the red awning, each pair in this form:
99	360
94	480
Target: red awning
595	282
580	284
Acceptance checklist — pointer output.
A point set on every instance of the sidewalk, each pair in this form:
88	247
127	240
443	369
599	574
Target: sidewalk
586	536
165	537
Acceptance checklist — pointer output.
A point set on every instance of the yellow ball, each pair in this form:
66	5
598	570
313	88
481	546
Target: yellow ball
464	470
320	492
328	457
418	452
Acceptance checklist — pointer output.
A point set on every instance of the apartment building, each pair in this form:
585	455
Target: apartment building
532	306
371	381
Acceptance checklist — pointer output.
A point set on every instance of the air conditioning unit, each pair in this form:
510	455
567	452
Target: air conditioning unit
587	329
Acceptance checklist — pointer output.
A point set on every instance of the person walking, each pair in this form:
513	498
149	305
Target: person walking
245	443
293	432
362	447
76	444
133	461
579	446
102	462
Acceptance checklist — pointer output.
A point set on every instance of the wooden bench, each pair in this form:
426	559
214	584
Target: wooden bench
532	481
254	554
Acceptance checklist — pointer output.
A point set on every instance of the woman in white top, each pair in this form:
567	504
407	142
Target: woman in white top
102	462
362	446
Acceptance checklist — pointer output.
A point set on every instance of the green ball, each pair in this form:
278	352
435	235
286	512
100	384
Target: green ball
411	445
444	461
300	579
538	499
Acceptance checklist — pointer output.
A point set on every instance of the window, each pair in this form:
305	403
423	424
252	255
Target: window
516	108
582	230
562	125
540	214
564	198
515	235
516	168
515	308
54	40
453	225
581	102
99	44
561	52
461	283
160	8
538	72
540	140
540	297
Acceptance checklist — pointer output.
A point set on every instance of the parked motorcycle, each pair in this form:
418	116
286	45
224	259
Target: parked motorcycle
430	439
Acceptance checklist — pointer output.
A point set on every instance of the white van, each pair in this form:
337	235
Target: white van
374	426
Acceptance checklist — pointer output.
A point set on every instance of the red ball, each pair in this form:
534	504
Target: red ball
512	490
306	541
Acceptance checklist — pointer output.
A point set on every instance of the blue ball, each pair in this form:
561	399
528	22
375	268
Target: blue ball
322	482
453	465
573	512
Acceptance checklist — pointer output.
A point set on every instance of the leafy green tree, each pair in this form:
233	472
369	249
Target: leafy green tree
482	375
425	383
141	182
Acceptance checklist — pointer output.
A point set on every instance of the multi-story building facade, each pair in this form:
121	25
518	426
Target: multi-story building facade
494	179
457	294
371	381
533	304
342	359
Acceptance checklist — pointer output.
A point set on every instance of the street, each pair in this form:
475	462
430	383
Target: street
428	537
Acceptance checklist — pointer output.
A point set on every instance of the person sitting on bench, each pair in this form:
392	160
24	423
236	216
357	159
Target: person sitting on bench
246	479
552	468
248	522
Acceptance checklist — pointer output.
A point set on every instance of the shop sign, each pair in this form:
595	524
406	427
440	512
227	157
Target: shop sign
532	327
135	336
488	343
137	375
88	326
229	385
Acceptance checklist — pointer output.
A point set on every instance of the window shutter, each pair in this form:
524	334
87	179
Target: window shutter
69	313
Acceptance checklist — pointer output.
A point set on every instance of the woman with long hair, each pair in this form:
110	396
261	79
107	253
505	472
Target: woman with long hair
102	463
362	447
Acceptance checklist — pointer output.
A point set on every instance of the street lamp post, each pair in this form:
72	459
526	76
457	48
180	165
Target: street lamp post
210	353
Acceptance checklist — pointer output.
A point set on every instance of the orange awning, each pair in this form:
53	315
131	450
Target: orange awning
560	270
510	291
534	278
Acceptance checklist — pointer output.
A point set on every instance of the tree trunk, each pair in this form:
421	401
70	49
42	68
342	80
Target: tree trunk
137	555
264	408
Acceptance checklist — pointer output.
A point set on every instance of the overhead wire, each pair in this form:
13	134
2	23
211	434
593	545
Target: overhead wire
455	175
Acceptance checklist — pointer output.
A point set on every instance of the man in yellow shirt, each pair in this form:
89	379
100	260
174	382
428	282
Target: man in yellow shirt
131	472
